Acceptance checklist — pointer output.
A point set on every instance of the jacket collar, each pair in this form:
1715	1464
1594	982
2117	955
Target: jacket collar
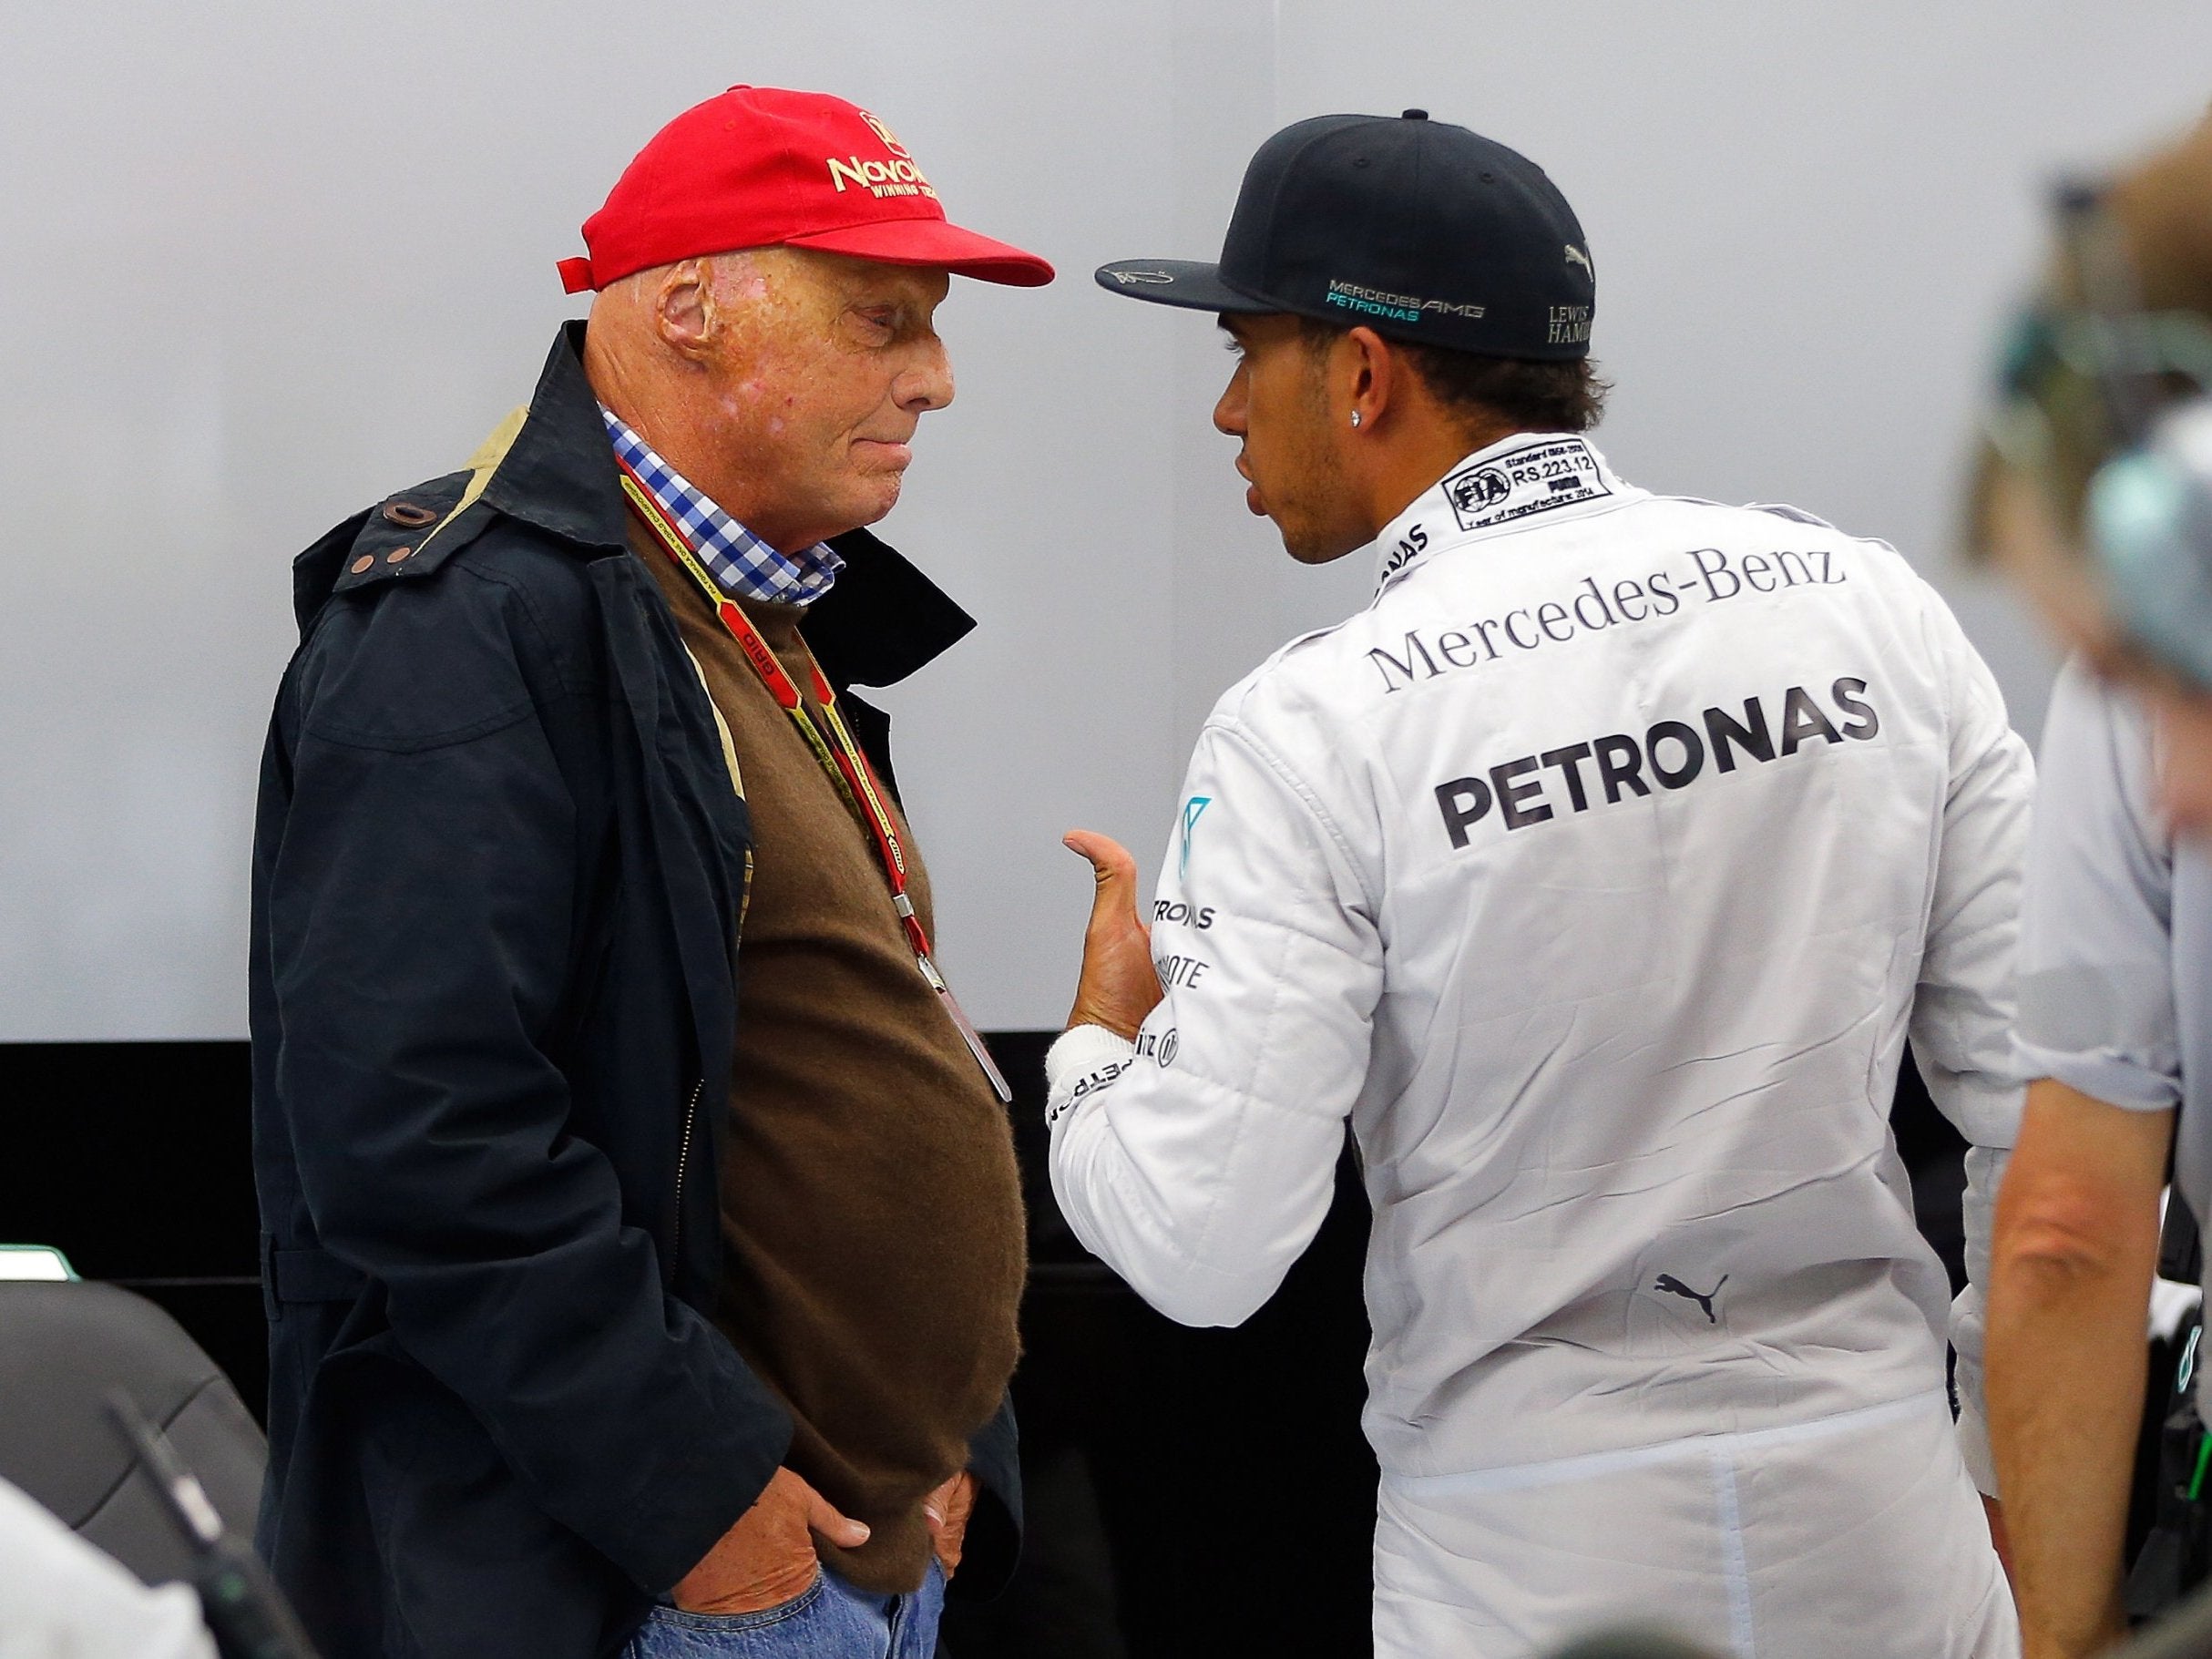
1527	479
559	474
883	620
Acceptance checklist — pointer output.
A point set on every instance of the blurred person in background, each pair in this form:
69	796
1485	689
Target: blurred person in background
2095	491
617	1298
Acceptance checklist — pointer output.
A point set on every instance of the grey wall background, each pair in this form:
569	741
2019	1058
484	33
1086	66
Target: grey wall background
263	263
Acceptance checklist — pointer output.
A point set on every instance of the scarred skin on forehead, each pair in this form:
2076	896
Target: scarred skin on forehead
784	383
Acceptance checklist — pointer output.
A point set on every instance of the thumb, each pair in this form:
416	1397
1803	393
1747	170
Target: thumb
940	1502
842	1530
1111	866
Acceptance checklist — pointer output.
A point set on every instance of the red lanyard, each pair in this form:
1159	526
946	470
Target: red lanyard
837	753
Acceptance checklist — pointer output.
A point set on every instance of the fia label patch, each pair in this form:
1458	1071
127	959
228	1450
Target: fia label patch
1557	472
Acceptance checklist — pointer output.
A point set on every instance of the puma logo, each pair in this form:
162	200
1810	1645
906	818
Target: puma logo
1676	1287
1575	256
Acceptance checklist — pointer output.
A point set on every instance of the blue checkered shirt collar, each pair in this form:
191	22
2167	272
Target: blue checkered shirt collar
743	565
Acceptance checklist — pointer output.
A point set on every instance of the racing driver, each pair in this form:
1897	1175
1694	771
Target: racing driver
1597	872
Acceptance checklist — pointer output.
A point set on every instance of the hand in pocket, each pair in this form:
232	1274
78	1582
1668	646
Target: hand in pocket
946	1509
768	1558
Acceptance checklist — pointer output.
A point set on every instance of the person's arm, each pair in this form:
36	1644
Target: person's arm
420	913
1962	1013
2076	1245
2077	1239
1198	1160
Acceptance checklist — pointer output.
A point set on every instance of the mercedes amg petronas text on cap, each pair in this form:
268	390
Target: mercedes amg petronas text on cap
1421	230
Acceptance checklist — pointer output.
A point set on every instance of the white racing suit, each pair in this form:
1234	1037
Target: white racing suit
1598	873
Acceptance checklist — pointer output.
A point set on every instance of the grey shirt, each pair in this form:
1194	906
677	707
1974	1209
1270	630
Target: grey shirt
2115	948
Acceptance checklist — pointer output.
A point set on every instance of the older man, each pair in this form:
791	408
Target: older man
613	1297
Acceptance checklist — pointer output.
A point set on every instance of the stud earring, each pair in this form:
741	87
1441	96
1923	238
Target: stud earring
1355	417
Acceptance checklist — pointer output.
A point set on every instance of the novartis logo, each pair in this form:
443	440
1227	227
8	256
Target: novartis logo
889	137
879	179
896	177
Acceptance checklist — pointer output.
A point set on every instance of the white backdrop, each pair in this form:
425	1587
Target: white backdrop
263	263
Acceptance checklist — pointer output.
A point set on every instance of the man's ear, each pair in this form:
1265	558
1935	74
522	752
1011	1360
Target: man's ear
683	309
1374	376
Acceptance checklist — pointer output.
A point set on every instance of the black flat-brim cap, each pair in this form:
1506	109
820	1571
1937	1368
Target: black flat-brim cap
1419	230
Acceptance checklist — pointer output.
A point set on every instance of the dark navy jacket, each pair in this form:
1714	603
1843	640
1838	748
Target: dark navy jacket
497	871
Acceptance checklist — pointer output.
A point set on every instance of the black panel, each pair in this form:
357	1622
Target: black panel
1935	1157
136	1159
1173	1475
138	1156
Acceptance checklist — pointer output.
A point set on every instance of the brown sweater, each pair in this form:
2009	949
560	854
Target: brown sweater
871	1207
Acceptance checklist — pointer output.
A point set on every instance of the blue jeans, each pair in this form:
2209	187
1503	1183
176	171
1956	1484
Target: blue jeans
831	1620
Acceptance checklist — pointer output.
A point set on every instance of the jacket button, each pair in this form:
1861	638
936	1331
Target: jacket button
407	512
362	563
396	554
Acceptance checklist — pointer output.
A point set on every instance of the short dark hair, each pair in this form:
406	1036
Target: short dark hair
1527	396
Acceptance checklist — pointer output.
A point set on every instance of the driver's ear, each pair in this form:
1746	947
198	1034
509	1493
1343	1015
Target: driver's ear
1372	374
1382	366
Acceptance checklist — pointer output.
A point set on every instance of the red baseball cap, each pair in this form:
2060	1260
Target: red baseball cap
760	167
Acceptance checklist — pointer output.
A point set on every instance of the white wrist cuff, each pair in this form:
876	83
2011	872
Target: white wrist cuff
1083	1060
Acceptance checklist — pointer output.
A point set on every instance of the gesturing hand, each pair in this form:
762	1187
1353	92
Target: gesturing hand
1118	987
768	1558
